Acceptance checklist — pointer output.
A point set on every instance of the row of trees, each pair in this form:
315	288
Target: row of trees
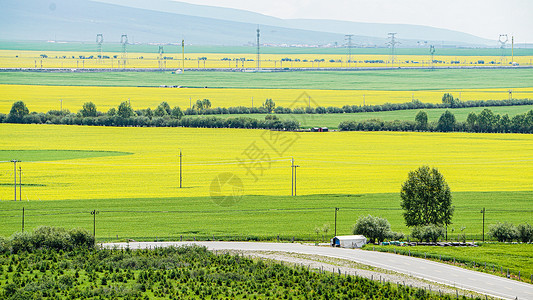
124	115
269	106
485	121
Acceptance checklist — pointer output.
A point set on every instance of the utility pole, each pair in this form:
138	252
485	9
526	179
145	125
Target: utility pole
336	209
349	44
483	212
15	176
20	183
94	213
293	183
292	176
61	106
181	155
182	56
22	219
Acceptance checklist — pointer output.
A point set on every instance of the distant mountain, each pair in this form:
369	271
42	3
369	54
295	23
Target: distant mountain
164	21
377	30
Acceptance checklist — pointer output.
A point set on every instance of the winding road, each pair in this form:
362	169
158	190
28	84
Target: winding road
490	285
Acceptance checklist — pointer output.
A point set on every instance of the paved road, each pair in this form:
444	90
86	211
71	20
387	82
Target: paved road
442	273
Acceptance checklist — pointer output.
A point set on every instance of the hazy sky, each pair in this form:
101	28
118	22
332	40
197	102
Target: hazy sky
484	18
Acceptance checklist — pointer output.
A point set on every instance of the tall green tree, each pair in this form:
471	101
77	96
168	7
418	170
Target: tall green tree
426	198
17	112
88	110
446	122
206	103
421	120
269	105
162	109
124	110
176	113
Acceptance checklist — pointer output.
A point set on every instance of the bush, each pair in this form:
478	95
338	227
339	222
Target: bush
45	237
525	233
397	236
429	233
21	242
373	228
81	238
503	232
51	237
4	247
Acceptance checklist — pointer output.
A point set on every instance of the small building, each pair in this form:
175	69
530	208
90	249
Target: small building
348	241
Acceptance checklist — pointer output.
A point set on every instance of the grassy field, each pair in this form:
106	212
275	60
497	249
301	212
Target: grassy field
496	256
253	217
145	48
332	120
386	80
52	155
331	163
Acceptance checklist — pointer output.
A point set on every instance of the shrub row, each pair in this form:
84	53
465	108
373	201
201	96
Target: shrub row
415	104
506	232
125	116
485	121
45	237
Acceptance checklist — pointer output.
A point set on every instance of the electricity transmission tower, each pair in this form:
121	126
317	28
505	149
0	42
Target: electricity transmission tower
258	50
503	39
160	58
432	52
348	37
392	44
124	42
99	42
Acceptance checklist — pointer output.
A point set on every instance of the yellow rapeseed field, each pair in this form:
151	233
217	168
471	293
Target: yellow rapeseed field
330	163
71	59
45	98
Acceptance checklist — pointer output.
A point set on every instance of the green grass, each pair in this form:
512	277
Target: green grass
145	48
254	217
515	257
51	155
332	120
406	80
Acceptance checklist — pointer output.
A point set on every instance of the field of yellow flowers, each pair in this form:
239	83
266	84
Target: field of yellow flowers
147	164
44	98
80	59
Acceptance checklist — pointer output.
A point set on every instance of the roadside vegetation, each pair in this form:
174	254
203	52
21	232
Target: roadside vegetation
492	258
71	270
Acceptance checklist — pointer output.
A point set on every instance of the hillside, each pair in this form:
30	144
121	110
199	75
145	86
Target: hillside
165	21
